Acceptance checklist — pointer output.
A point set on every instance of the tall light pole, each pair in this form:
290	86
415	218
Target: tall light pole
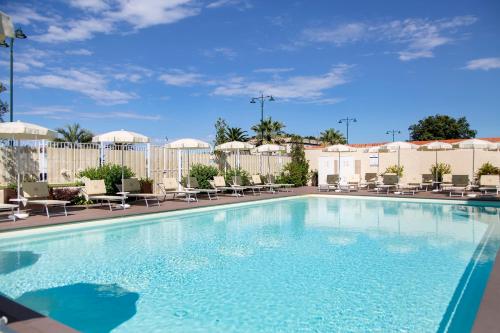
18	34
262	99
393	132
347	120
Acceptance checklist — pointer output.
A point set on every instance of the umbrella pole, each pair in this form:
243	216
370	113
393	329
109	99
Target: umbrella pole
18	172
435	171
238	158
188	180
268	166
473	162
123	189
399	157
339	168
225	164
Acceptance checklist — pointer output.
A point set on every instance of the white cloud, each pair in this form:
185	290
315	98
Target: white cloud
26	60
273	70
77	30
223	51
181	78
91	5
347	33
88	83
80	52
53	110
295	87
25	15
240	4
484	64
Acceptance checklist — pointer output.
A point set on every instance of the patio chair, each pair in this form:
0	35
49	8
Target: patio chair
458	187
37	193
95	190
371	180
489	183
132	188
6	208
256	189
389	182
194	185
257	181
351	185
271	180
408	186
170	186
219	183
427	181
446	181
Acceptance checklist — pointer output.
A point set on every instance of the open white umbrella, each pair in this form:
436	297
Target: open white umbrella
188	144
474	144
235	146
398	145
340	149
24	131
121	137
437	145
269	149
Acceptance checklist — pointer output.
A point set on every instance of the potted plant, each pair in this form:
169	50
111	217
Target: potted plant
9	192
146	185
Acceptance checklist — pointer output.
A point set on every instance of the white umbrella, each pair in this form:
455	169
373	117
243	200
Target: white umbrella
269	149
494	146
339	148
24	131
188	144
474	144
437	145
235	146
398	145
121	137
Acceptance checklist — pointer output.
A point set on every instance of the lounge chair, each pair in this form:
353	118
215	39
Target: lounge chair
256	189
6	208
332	183
408	186
371	180
489	183
458	187
427	181
219	183
446	181
257	181
271	180
95	190
389	182
353	183
37	193
193	182
171	186
132	188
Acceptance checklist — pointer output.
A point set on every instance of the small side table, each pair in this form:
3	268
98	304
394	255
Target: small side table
124	197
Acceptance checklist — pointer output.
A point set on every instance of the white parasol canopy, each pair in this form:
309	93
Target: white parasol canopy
187	144
474	144
269	149
235	146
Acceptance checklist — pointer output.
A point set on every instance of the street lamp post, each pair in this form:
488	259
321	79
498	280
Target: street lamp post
393	132
262	99
19	34
347	120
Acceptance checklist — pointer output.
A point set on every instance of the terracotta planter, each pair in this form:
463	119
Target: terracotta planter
146	188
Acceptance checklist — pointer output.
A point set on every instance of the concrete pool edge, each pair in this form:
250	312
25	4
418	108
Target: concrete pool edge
486	319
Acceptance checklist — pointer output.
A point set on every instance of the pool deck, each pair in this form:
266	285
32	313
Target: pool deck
24	320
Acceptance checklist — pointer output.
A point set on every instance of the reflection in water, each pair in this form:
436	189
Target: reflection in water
110	305
11	261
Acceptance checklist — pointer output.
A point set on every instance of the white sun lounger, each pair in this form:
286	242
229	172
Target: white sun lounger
171	186
95	190
37	193
210	192
132	188
220	183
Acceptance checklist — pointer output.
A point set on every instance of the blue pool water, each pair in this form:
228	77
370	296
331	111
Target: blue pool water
299	265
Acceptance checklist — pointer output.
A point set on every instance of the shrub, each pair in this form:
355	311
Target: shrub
68	193
203	174
440	169
244	175
297	171
111	173
488	169
395	169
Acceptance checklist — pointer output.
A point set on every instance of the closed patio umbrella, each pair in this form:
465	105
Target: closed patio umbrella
437	145
121	137
188	144
269	149
474	144
339	148
398	145
236	146
24	131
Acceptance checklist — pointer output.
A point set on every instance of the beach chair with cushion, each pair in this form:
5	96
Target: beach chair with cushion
446	181
170	186
371	180
489	184
256	189
271	180
389	182
219	183
95	190
132	188
9	209
212	193
408	186
458	187
37	193
257	181
427	181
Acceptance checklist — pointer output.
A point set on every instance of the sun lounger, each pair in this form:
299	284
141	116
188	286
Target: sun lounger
427	181
6	208
95	190
407	186
390	181
332	183
132	189
271	180
219	183
257	180
171	186
446	181
489	183
256	189
37	193
371	180
351	185
458	187
210	192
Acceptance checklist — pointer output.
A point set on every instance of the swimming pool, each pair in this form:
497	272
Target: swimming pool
308	264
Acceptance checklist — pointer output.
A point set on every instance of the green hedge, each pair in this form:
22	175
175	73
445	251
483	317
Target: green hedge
111	173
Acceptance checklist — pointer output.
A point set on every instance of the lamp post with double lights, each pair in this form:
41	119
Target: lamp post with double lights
347	120
393	132
262	99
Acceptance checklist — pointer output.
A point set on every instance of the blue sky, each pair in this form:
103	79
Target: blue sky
169	68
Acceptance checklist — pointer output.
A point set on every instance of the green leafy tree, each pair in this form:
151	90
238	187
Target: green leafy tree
269	131
4	107
111	173
297	170
332	137
441	127
74	133
235	134
220	131
203	174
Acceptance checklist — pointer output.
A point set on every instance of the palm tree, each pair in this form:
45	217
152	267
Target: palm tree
235	134
74	133
331	137
269	130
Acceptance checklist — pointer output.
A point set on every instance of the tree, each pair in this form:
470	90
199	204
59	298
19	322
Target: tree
4	107
332	137
441	127
235	134
220	131
297	170
268	130
74	133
